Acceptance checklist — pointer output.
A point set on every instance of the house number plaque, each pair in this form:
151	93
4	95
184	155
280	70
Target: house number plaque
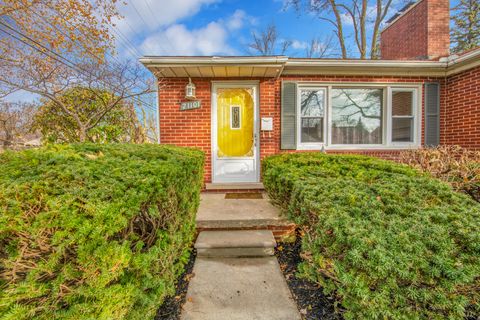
189	105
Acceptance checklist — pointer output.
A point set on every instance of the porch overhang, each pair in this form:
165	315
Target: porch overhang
215	67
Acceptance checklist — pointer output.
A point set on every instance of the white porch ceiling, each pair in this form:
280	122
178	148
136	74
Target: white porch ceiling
215	67
217	71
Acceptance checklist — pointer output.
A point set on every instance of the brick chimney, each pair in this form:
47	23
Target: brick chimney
420	31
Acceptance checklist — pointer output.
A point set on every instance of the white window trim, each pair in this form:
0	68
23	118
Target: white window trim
387	144
310	145
416	114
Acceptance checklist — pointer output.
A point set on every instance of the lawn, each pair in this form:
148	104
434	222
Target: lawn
387	241
95	231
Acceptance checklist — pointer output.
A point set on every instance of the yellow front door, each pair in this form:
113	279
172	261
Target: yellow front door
235	113
235	152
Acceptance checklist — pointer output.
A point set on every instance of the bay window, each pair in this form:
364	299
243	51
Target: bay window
357	116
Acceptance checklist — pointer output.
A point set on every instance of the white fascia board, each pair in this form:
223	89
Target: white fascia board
152	61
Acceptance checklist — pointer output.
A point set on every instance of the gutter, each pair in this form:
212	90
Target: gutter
456	64
213	60
364	63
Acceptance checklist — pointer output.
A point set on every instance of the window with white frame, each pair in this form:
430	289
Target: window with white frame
345	116
311	121
403	115
357	116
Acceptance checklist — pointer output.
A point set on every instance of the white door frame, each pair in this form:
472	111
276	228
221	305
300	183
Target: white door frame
250	84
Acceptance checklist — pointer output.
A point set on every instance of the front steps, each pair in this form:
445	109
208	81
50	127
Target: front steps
236	275
234	244
218	213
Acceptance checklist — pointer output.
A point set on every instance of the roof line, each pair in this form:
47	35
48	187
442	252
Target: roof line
446	66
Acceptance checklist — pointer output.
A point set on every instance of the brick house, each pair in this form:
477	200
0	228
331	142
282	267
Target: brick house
246	108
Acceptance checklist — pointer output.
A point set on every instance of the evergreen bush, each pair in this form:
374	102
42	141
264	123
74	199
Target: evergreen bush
388	241
95	231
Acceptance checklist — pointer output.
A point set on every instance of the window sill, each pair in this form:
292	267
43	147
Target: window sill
373	147
319	147
312	147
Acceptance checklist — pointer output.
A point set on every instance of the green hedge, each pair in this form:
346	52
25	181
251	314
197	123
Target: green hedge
386	240
95	231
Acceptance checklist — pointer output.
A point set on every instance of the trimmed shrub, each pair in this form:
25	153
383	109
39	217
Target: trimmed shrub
388	241
95	231
458	166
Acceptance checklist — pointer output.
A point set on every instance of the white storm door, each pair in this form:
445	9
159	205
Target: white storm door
235	150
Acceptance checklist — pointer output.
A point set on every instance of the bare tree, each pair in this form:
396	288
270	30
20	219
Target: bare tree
125	82
365	22
267	42
319	48
149	124
34	64
15	123
62	55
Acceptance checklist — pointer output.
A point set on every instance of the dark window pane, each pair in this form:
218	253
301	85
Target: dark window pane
313	103
312	130
357	116
402	103
402	130
235	116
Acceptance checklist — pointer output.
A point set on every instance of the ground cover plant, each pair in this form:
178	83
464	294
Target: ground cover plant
388	241
95	231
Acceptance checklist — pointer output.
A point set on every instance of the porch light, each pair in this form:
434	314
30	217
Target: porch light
190	90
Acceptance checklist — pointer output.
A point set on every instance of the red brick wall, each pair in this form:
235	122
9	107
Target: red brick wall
193	127
460	119
421	33
438	28
185	128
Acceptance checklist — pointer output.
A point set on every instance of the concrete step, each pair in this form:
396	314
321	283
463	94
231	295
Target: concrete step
238	243
234	186
216	213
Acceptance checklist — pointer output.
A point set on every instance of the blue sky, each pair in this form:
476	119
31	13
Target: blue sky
213	27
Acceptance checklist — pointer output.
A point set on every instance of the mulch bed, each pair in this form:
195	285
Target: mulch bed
172	307
311	301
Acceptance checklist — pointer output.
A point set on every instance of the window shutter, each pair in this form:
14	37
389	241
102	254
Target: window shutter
432	114
288	116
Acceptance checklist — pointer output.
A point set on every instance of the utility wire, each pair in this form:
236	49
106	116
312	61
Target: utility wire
144	21
150	10
126	41
118	63
55	55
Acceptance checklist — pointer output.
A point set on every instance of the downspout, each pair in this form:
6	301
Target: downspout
158	109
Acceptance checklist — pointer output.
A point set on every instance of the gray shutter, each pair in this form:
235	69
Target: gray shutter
288	119
432	114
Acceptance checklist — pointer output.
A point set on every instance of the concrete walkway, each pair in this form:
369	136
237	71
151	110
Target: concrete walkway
236	275
238	288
